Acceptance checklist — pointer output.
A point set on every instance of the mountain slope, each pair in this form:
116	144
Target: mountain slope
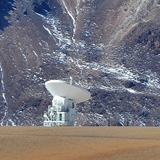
109	47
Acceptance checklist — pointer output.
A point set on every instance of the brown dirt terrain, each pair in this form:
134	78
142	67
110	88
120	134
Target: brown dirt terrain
79	143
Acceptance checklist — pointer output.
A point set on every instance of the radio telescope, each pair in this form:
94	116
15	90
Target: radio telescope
66	95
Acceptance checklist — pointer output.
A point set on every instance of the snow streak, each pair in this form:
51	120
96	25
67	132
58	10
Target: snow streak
4	99
74	21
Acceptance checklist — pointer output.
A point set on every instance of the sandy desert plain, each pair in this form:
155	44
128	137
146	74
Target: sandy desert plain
79	143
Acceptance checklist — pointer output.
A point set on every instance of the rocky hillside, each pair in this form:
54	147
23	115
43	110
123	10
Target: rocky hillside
110	47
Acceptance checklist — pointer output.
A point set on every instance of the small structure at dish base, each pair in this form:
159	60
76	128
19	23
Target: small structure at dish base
66	95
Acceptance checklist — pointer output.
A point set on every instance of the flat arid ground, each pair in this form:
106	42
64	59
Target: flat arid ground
80	143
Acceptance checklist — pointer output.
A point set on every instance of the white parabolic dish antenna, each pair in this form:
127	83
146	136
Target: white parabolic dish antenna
67	90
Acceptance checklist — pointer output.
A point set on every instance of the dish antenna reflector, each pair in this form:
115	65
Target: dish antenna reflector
65	97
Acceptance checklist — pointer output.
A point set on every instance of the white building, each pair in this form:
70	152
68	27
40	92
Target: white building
62	112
